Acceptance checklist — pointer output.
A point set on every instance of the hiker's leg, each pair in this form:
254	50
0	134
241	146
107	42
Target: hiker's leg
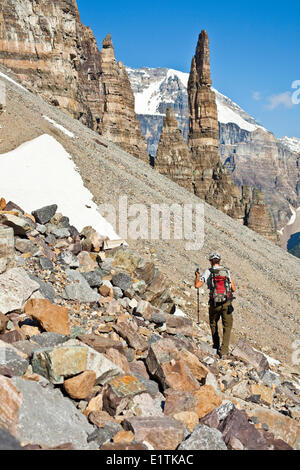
214	316
227	320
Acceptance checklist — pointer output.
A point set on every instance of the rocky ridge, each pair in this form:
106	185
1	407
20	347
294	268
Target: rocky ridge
96	351
55	55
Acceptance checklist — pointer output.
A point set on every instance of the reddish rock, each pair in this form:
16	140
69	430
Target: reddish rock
79	387
178	401
245	352
95	405
51	317
159	352
131	336
100	418
118	392
189	418
139	368
163	433
208	400
176	325
3	322
10	402
11	336
198	370
176	375
119	359
123	437
101	344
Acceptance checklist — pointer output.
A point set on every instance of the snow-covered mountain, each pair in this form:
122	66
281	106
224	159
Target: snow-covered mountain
252	153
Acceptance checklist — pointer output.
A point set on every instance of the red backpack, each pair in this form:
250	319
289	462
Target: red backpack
220	286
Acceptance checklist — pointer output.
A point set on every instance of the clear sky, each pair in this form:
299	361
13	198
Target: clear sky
255	47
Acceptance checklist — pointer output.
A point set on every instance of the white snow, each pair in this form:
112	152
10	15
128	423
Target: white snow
2	75
293	143
40	173
148	100
58	126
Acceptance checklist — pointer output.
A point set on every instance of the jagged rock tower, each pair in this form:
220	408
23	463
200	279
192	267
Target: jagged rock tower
210	179
173	158
120	123
260	219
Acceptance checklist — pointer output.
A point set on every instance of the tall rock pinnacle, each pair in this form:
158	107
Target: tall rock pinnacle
120	123
173	157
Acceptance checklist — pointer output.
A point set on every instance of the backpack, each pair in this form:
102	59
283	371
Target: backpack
220	286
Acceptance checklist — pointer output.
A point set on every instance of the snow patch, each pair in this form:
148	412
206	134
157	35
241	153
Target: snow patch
2	75
40	173
293	143
58	126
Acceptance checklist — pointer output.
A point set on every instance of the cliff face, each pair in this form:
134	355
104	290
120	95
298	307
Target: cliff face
173	157
55	55
120	123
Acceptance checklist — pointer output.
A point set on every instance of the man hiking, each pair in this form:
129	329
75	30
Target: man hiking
221	287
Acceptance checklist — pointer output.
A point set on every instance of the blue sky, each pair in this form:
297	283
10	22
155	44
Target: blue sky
255	47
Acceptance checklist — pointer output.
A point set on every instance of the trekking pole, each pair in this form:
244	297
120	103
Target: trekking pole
198	306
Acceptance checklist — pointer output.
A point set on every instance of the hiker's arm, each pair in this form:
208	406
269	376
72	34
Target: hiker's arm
200	280
233	286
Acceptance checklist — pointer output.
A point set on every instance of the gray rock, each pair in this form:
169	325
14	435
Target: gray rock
224	410
25	246
66	258
49	340
94	278
26	347
102	435
269	378
41	228
61	233
8	442
46	288
46	264
118	293
45	214
158	318
50	240
107	266
10	359
48	418
79	288
150	385
122	280
15	289
204	438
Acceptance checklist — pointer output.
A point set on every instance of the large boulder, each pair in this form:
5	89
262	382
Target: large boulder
51	317
15	289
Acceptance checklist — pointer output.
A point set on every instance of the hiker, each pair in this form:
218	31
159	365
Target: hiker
221	287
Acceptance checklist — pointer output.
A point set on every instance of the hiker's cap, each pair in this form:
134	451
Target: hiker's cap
214	255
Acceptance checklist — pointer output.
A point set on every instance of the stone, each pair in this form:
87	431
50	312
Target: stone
118	393
20	225
26	347
51	317
208	400
245	352
61	232
79	288
67	258
266	394
269	378
122	280
179	401
131	336
12	359
86	263
104	368
48	418
189	418
80	386
241	390
10	402
160	351
95	405
46	264
162	433
3	322
283	427
176	375
94	278
28	331
99	418
144	405
236	425
198	370
123	437
12	336
119	359
7	252
49	339
44	214
26	246
8	442
235	444
203	438
16	287
61	362
102	435
101	344
46	289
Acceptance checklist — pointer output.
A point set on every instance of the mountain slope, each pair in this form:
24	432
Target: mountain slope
267	277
